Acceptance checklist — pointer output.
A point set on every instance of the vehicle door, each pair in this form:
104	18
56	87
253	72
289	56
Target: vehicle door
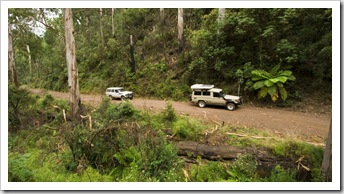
217	99
207	97
117	95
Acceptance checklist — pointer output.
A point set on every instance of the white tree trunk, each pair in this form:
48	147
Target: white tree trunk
222	12
73	80
162	12
221	17
30	63
101	26
180	29
11	62
133	63
112	22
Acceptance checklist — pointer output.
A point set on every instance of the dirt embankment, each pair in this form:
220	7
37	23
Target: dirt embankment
311	127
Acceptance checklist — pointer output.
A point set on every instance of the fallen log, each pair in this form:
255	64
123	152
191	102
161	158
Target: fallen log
225	152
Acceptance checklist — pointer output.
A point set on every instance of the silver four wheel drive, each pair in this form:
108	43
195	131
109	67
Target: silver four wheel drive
203	95
119	93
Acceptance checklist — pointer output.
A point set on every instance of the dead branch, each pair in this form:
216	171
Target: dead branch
254	137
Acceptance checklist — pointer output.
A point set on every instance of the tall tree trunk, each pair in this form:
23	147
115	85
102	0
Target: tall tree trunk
29	54
326	167
180	30
221	17
11	62
101	26
73	80
161	12
133	64
112	22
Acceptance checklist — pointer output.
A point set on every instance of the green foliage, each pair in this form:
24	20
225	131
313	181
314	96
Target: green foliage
169	113
243	169
153	159
279	174
188	129
272	82
312	155
204	172
18	106
317	175
123	110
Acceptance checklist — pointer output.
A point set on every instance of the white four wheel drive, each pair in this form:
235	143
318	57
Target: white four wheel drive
204	94
119	93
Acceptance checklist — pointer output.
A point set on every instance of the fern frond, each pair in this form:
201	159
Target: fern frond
262	92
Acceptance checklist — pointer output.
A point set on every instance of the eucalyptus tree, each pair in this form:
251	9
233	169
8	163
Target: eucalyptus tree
180	29
73	81
11	62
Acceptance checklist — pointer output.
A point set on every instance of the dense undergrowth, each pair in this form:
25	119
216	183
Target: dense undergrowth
117	142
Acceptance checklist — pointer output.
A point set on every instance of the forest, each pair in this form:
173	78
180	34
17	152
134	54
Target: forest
273	57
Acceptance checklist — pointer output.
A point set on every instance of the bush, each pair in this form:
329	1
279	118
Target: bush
243	168
208	172
189	129
279	174
169	113
153	159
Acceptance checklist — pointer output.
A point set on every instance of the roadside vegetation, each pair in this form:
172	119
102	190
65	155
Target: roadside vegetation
117	142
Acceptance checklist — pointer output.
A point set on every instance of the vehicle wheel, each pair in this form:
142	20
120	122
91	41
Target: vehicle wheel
112	98
201	104
123	98
230	106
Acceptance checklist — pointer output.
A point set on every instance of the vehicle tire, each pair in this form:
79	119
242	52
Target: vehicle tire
112	98
123	98
230	106
201	104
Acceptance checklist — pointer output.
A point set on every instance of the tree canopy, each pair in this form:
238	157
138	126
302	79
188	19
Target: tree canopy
246	39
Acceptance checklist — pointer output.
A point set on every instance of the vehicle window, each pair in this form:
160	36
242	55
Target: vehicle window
112	90
120	90
198	93
215	94
206	93
116	91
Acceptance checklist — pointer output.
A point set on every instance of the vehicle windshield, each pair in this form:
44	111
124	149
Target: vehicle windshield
120	90
222	94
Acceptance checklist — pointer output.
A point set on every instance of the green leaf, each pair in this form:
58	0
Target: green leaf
292	78
259	84
262	92
268	83
279	79
272	90
285	73
274	70
260	74
284	93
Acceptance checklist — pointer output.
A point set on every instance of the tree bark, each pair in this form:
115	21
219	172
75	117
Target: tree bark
113	22
180	30
73	80
161	12
326	166
30	63
133	64
101	26
221	17
195	149
11	62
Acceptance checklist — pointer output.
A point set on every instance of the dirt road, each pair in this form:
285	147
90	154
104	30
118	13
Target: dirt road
309	127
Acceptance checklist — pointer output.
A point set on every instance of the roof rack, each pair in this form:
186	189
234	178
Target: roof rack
202	86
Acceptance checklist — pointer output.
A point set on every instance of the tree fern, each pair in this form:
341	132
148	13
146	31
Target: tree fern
272	82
